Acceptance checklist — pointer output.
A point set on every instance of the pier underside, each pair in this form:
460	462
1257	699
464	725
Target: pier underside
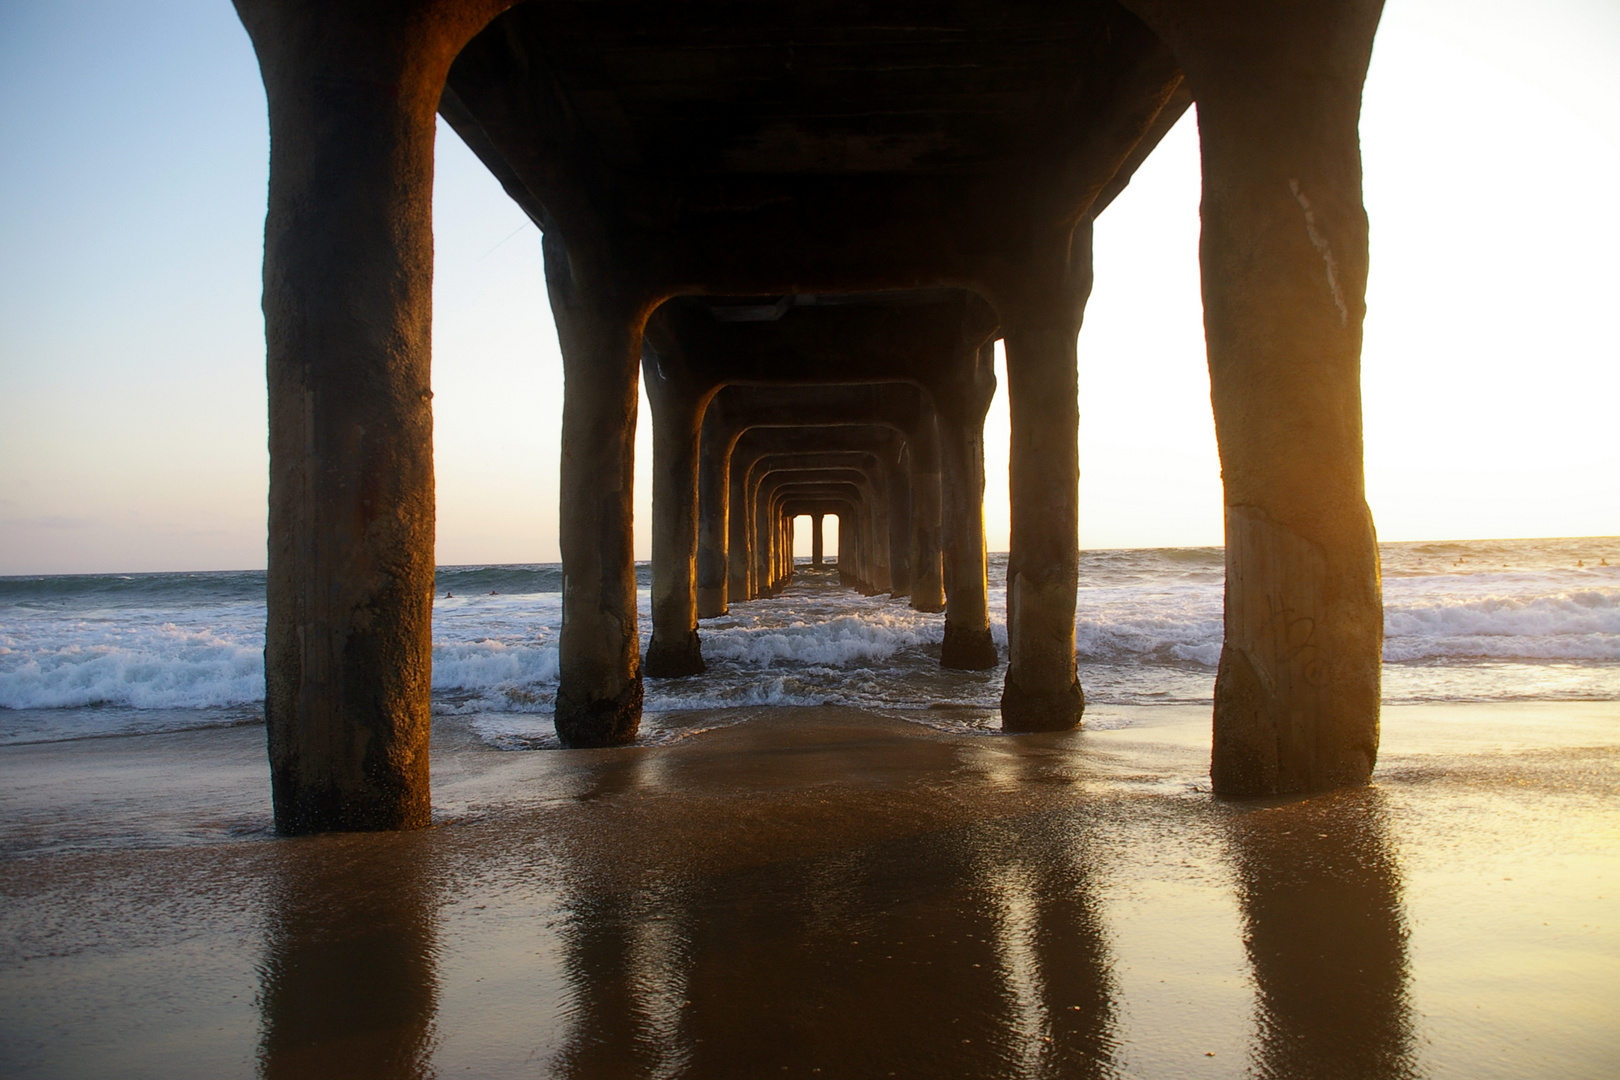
851	202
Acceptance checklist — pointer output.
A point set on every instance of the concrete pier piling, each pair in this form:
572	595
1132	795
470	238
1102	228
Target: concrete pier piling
967	644
1041	320
1284	254
677	409
348	282
599	691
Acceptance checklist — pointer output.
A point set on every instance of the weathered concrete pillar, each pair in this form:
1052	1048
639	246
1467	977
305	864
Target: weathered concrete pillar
740	560
348	279
780	534
714	509
677	409
599	328
816	541
854	573
767	542
878	482
784	552
967	645
782	568
1041	321
759	530
1284	257
772	527
755	511
850	520
862	520
900	526
846	548
927	538
787	549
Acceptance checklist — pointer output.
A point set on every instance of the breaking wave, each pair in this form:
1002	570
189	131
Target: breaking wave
1474	621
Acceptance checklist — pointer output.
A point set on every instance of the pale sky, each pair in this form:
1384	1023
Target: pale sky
132	191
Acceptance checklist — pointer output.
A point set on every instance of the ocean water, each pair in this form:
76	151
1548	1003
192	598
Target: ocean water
1511	620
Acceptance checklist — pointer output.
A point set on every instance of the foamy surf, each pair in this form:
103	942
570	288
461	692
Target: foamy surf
1475	621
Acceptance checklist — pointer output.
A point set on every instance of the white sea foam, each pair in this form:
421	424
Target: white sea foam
842	640
154	666
1459	626
1574	625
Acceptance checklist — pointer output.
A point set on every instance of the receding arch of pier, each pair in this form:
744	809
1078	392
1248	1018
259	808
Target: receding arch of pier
915	491
785	469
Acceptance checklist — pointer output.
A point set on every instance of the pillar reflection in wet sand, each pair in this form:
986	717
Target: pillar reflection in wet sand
1325	931
973	952
1052	955
625	967
347	986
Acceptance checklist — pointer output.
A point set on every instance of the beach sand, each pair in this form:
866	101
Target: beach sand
827	892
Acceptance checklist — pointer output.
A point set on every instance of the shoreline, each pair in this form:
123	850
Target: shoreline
830	889
112	790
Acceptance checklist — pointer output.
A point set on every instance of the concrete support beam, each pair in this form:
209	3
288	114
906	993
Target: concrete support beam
599	328
967	645
1284	259
1041	318
713	586
740	561
348	278
677	408
927	517
901	527
788	533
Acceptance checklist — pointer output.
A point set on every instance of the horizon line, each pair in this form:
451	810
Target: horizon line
645	562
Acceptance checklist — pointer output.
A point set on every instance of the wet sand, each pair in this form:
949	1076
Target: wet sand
827	892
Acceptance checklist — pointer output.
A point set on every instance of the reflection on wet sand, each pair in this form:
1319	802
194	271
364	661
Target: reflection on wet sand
826	889
842	897
821	901
1326	937
967	952
347	986
976	949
